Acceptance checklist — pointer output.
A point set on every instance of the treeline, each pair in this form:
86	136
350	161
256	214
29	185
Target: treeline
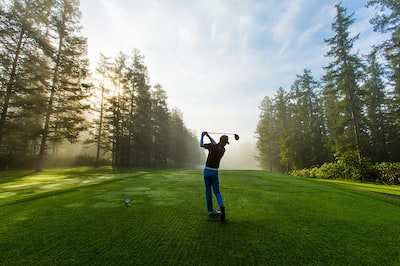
47	92
132	120
353	109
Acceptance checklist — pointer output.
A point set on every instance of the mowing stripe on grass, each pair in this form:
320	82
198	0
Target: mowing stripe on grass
272	219
52	182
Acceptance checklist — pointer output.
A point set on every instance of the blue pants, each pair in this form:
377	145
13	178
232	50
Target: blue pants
211	181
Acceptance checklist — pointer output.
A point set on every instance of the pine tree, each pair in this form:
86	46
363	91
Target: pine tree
161	127
376	103
267	139
176	142
64	115
140	133
118	110
100	134
342	88
282	115
387	20
23	48
304	143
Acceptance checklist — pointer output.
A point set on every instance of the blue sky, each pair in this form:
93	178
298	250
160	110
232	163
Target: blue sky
217	59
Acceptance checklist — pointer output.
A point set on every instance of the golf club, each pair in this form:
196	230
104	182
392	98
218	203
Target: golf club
235	135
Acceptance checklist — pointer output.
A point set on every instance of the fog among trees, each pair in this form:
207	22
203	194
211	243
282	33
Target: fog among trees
54	112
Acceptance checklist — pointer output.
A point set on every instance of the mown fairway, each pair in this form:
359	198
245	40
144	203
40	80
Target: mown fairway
77	217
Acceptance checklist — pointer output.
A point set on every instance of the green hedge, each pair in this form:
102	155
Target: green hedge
348	166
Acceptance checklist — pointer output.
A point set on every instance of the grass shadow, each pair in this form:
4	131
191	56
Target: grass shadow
11	175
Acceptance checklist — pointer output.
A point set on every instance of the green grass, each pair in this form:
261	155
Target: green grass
77	217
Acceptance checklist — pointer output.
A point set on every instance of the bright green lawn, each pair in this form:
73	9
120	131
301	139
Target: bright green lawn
77	217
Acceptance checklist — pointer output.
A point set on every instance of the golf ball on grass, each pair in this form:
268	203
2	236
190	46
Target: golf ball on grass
127	202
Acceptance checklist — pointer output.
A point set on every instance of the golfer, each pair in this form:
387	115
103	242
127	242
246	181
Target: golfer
215	153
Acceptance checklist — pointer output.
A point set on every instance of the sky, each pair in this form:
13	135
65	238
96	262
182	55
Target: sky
218	59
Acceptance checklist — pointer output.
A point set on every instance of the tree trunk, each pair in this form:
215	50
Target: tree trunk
100	128
49	111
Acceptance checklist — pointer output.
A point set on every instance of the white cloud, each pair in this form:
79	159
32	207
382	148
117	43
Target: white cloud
307	34
284	30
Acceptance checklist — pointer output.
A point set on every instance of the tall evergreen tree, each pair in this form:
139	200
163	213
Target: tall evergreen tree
23	50
161	127
387	20
177	143
267	139
118	110
342	86
64	115
282	114
303	145
140	131
376	106
100	130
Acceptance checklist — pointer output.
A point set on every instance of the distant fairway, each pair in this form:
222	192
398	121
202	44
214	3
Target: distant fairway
77	217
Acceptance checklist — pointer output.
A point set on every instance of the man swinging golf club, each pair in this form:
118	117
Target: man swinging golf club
215	153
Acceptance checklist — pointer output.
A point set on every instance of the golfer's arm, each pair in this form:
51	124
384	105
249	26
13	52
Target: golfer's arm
202	141
212	140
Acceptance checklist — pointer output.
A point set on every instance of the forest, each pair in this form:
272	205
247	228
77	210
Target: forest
48	98
352	114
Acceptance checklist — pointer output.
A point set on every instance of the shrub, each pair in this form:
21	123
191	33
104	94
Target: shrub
301	173
357	169
388	173
330	171
350	163
314	172
348	166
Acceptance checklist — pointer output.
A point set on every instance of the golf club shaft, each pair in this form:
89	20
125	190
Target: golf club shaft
236	135
221	133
